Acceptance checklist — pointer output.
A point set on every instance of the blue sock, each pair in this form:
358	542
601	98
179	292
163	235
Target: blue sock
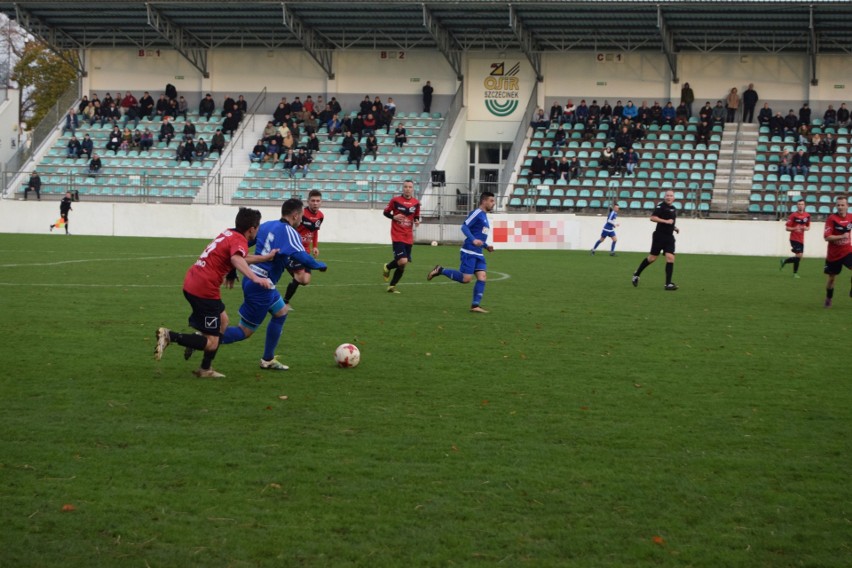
612	248
232	335
273	334
596	245
478	291
453	274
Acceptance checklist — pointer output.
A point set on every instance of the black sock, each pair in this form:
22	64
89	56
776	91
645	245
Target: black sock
397	275
669	271
829	293
392	264
788	260
207	362
195	341
642	266
291	290
796	265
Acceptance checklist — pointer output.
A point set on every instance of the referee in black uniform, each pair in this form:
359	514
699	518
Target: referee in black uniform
664	216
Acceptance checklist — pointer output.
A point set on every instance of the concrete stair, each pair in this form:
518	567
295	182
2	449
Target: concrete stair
735	171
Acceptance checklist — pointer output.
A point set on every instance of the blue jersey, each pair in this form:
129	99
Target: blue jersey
475	227
610	221
276	235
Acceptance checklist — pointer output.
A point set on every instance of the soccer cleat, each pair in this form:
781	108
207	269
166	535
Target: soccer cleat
392	290
671	286
635	280
51	228
385	272
783	262
162	336
612	254
273	365
796	275
207	374
828	302
478	310
592	252
434	272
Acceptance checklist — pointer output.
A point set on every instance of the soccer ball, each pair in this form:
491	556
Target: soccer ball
347	355
434	243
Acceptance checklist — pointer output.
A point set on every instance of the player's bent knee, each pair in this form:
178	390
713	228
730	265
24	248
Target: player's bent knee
212	343
402	262
466	278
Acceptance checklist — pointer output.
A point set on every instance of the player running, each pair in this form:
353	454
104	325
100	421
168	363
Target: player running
664	215
201	289
475	229
797	224
308	229
838	230
404	213
609	230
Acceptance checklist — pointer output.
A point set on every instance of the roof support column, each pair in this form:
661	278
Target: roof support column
529	44
668	44
447	43
183	41
316	46
64	46
813	47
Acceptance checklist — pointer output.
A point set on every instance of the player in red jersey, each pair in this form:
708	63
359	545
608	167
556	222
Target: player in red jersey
404	213
308	229
201	289
838	230
797	224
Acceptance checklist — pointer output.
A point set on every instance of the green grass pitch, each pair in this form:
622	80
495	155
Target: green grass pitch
581	423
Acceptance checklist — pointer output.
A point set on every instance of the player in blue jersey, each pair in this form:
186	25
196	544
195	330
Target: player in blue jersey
257	301
475	229
609	230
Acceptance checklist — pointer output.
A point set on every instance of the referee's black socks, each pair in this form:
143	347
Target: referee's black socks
669	272
642	266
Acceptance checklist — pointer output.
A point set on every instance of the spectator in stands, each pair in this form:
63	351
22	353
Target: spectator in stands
334	127
427	96
765	115
828	147
750	99
617	112
369	125
801	163
86	147
669	114
814	144
280	114
575	168
114	140
242	106
537	165
559	138
618	163
637	132
589	130
147	141
146	106
95	166
126	140
207	107
657	114
629	112
643	114
843	115
188	151
131	114
287	139
107	100
681	114
258	153
705	113
829	118
581	113
162	106
287	161
355	154
128	101
805	114
605	161
732	104
34	184
167	131
568	112
551	168
556	113
182	107
400	136
785	163
347	143
188	130
606	111
201	150
72	122
631	160
803	135
720	114
296	106
539	119
390	110
172	112
778	124
83	104
92	112
313	145
110	114
137	141
309	122
702	133
171	92
624	139
301	163
273	151
227	106
564	169
230	124
595	111
687	97
179	151
335	105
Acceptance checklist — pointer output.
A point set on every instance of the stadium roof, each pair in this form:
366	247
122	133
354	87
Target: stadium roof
534	27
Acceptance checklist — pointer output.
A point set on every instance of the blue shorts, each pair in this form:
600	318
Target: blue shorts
257	302
605	233
401	250
471	264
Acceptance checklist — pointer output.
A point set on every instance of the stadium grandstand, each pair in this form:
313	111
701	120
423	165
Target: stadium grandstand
490	68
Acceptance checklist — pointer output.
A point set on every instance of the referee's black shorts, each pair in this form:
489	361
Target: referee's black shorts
664	243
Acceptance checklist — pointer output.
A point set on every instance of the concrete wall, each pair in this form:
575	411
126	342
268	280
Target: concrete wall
9	110
568	232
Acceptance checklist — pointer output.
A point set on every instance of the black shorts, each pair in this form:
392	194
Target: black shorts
836	266
665	243
797	247
206	314
401	250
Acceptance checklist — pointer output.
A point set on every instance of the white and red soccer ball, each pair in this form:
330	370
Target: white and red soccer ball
347	355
